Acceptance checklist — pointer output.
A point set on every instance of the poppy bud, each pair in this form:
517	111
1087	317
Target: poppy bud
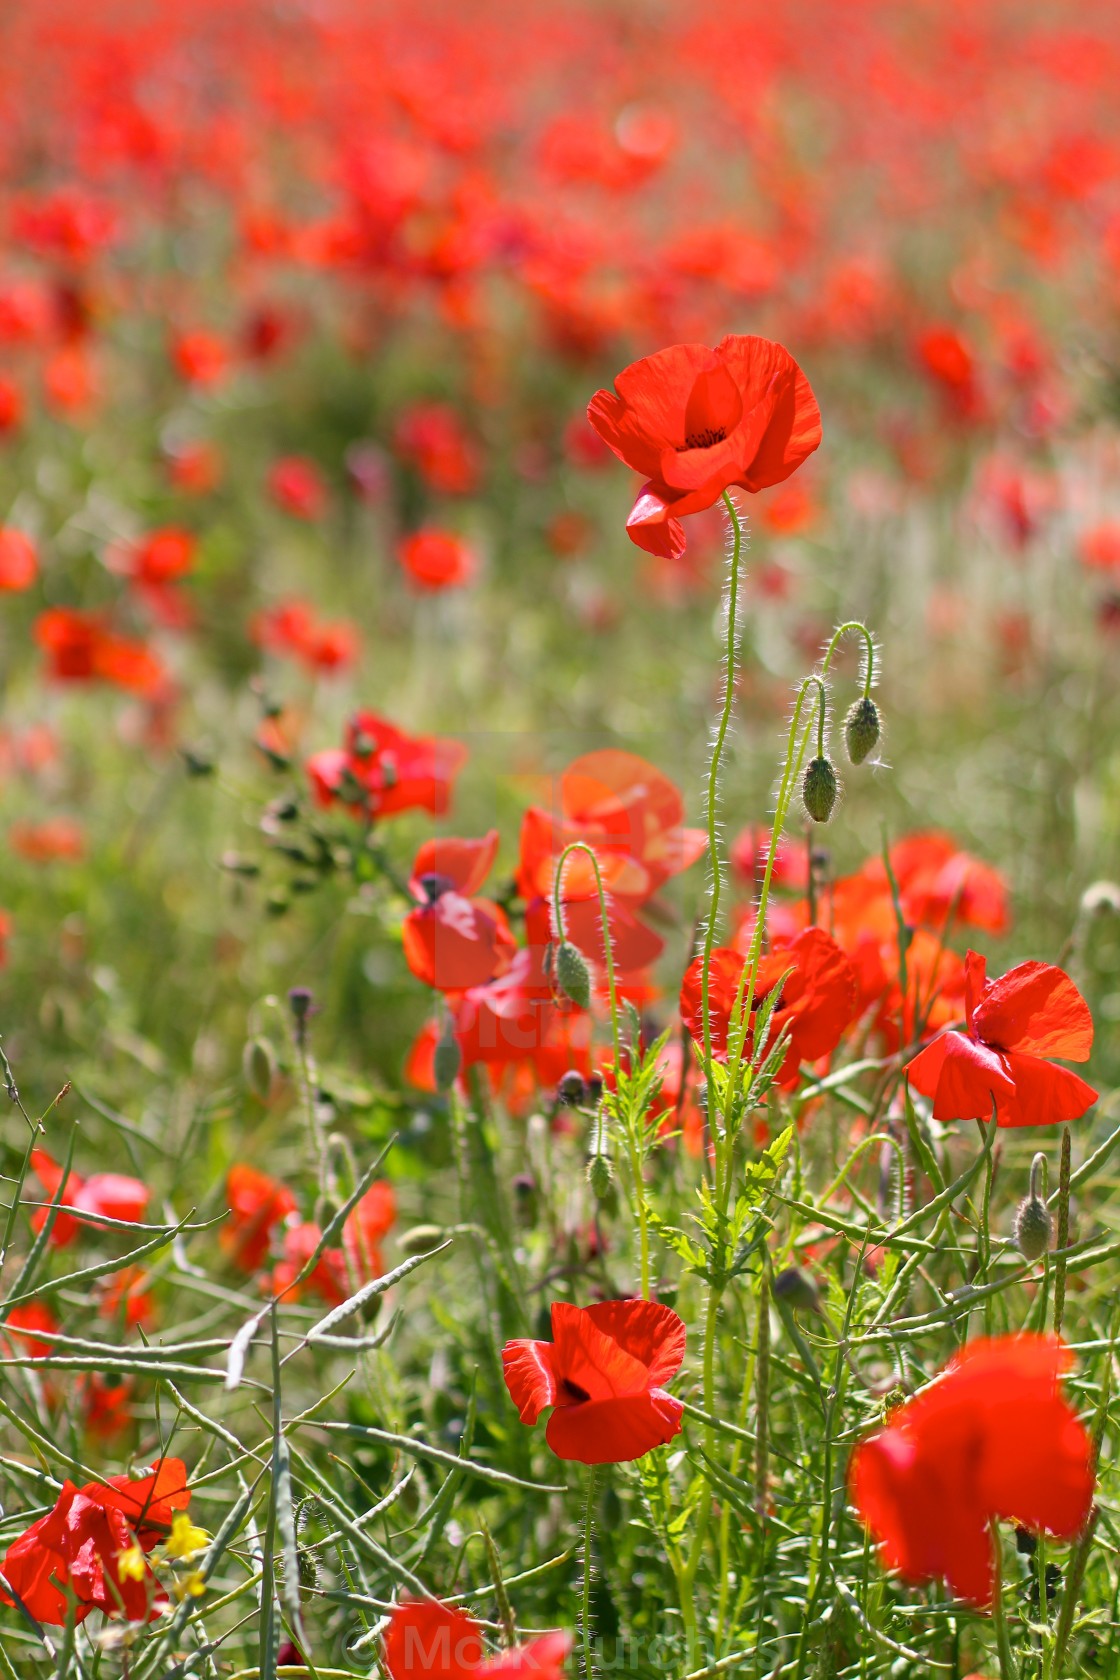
1034	1227
797	1289
600	1176
447	1059
258	1063
571	1090
572	974
420	1240
861	729
819	789
525	1200
300	1001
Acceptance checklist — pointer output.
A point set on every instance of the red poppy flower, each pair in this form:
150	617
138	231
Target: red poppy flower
1013	1024
431	438
77	1546
365	1228
818	1000
430	1641
1099	547
992	1436
937	880
11	407
24	1323
80	648
19	562
200	357
453	940
749	853
328	1278
437	560
296	485
291	630
382	771
257	1203
111	1194
53	840
696	422
602	1373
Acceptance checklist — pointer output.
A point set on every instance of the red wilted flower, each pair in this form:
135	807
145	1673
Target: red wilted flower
1013	1024
80	648
382	771
201	357
296	485
602	1373
992	1436
696	422
75	1549
429	1641
19	561
256	1203
818	999
431	438
56	839
454	940
112	1195
437	560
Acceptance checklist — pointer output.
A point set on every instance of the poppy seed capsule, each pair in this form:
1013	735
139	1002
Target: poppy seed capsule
861	729
258	1063
819	789
572	974
420	1240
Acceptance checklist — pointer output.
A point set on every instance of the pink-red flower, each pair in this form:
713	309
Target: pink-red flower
430	1641
992	1436
696	422
113	1195
1013	1025
603	1374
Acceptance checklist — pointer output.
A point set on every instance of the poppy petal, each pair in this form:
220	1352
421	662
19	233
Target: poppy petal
530	1377
1035	1008
589	1361
614	1431
965	1079
647	1330
651	524
1044	1095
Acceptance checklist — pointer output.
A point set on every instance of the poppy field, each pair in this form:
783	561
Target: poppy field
560	775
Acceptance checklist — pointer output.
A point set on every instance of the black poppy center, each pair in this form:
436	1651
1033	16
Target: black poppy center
434	886
571	1393
705	439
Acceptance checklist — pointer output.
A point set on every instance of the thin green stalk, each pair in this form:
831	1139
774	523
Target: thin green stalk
1063	1232
1007	1668
588	1528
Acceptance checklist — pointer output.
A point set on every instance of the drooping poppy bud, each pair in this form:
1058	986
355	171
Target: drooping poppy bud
861	729
600	1176
1034	1226
572	974
819	789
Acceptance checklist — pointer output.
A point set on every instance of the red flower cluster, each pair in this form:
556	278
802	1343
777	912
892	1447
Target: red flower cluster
80	647
991	1437
696	422
74	1551
258	1204
382	771
1013	1024
603	1374
431	1641
291	630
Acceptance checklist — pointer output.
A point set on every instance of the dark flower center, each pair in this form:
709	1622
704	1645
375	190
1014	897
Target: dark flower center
705	439
571	1393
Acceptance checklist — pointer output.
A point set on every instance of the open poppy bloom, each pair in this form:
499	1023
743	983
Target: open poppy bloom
76	1548
436	560
430	1641
992	1436
112	1194
382	771
257	1203
452	940
1013	1024
19	560
696	422
817	1003
602	1373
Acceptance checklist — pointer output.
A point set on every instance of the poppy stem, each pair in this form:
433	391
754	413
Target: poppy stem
1063	1231
588	1526
1007	1668
869	651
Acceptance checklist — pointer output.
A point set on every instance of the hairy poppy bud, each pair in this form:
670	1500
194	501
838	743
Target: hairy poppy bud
572	974
1034	1227
525	1200
447	1060
258	1063
819	789
861	729
571	1091
420	1240
797	1289
600	1176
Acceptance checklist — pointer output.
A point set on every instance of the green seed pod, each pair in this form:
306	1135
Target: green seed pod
1034	1227
819	789
447	1060
421	1239
258	1063
861	729
600	1176
573	975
